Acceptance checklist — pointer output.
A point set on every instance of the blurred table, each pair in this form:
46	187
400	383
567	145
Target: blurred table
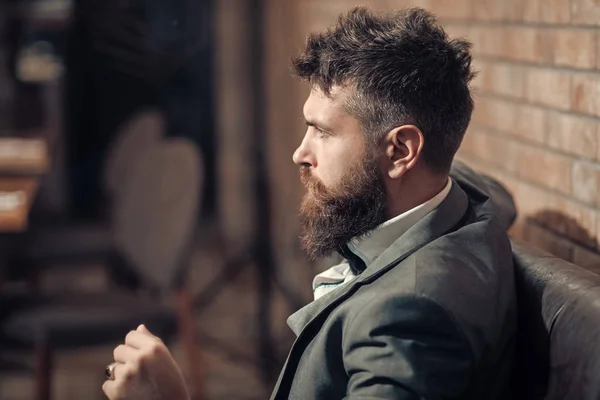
23	160
16	197
23	156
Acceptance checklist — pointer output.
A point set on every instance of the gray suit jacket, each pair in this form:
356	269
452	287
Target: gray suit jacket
434	317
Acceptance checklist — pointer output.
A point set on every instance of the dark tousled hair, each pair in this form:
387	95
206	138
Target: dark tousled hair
404	69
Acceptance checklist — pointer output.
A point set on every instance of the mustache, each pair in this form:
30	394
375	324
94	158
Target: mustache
317	192
309	181
305	175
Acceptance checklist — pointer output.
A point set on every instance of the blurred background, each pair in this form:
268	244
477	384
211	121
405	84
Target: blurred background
146	174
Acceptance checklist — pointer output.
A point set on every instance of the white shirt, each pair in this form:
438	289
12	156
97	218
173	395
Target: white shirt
373	245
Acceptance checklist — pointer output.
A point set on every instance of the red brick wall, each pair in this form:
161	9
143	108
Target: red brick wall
537	118
537	121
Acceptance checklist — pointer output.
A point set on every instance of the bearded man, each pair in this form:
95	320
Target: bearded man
423	305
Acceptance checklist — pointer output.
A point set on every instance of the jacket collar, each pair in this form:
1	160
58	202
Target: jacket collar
438	222
361	252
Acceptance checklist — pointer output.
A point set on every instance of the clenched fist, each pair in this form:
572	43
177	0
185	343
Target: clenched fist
145	370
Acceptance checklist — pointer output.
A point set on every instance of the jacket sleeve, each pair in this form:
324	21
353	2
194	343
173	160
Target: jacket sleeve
406	347
502	199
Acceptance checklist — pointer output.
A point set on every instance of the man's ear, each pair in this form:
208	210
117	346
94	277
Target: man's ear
403	146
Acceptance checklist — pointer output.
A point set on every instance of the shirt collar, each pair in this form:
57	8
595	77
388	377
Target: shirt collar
360	253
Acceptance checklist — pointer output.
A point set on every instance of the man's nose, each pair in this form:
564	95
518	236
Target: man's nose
303	156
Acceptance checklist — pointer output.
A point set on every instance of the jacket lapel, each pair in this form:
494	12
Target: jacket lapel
448	216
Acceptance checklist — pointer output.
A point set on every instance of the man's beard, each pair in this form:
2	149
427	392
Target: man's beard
331	218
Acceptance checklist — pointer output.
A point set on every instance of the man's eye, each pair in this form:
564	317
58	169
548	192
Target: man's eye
321	133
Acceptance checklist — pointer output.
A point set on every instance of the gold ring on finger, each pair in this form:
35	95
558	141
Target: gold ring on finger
109	372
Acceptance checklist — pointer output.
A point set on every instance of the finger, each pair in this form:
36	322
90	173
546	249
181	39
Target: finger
124	354
139	340
115	371
111	389
123	373
142	328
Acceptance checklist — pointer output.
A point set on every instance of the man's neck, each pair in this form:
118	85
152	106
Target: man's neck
413	192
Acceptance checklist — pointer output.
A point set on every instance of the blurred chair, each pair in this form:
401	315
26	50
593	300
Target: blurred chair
154	222
558	341
134	138
72	243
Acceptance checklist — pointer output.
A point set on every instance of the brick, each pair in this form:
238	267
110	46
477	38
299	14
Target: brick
597	219
572	134
473	142
497	150
585	94
386	4
491	41
546	169
531	10
555	11
527	44
597	48
531	200
529	123
482	111
378	4
546	11
549	87
457	9
469	159
510	182
512	81
496	114
484	80
493	171
480	68
504	79
586	258
513	9
522	121
597	125
493	10
487	10
469	143
456	31
574	48
484	167
585	182
475	37
585	12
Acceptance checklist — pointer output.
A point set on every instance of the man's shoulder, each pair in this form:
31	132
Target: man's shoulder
470	264
478	252
481	243
467	274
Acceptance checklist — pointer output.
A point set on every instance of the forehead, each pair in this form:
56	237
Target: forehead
320	107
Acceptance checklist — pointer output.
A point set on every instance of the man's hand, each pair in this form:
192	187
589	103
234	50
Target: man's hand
146	370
